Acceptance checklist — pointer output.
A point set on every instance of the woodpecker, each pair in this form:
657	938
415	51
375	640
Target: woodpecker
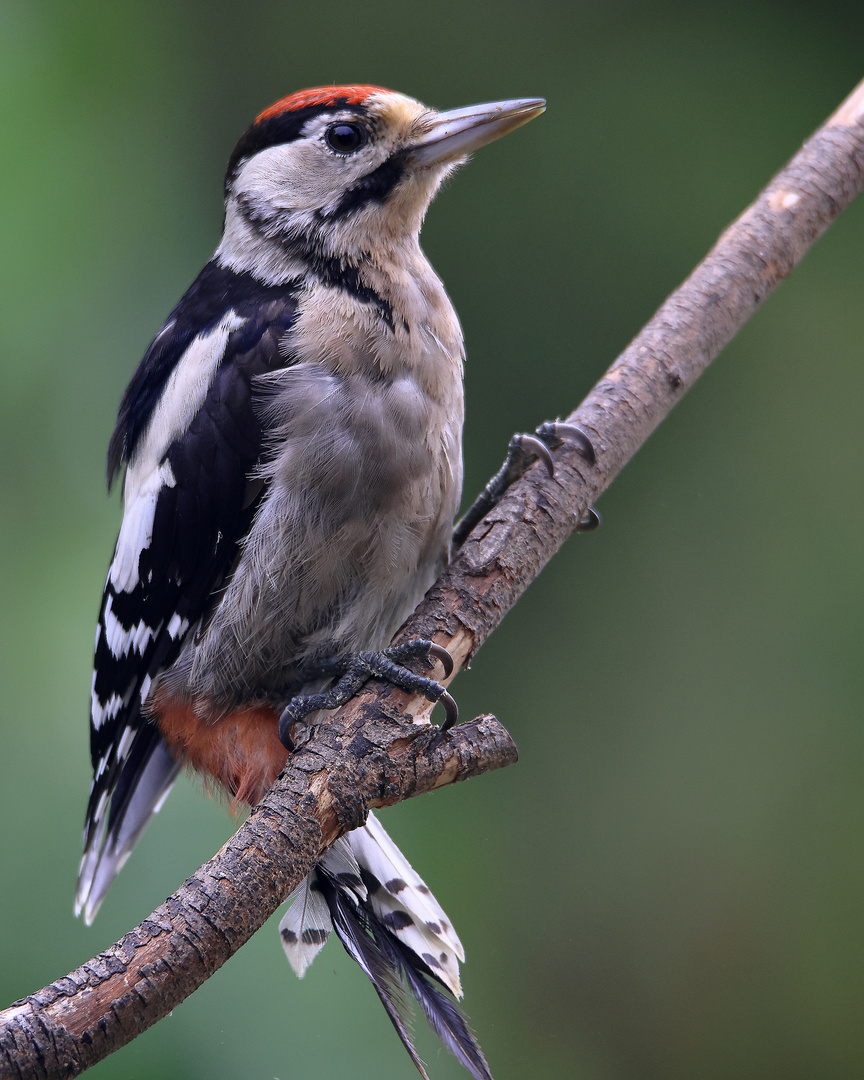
291	445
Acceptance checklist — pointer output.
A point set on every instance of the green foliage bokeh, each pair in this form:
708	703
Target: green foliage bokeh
671	882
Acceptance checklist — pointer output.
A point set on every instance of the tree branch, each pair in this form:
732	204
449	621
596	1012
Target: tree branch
375	751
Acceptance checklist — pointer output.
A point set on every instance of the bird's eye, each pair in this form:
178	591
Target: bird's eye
345	138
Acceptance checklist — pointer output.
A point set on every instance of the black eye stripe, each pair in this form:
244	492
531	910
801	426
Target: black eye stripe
345	137
374	187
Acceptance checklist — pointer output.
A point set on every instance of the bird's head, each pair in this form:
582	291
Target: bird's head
340	171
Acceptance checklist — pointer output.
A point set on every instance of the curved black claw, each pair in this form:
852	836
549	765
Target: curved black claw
589	521
389	666
451	710
443	657
531	444
556	432
286	728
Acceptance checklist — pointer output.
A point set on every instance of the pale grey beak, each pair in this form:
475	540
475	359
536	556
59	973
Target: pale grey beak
453	135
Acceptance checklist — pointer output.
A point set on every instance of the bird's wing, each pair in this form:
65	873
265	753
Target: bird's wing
191	438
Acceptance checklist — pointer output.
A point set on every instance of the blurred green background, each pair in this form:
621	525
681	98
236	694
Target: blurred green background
671	881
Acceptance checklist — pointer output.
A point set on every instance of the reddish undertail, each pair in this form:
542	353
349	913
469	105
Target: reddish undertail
240	750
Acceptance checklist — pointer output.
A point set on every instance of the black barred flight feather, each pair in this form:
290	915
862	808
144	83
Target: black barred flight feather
190	437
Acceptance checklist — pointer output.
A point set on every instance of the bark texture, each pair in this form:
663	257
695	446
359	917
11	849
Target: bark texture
372	752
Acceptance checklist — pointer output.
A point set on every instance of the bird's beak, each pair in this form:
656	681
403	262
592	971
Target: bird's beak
452	135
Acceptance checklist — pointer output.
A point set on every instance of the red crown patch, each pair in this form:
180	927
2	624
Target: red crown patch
321	95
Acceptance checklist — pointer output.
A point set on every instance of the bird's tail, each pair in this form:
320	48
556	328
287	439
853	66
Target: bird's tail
392	925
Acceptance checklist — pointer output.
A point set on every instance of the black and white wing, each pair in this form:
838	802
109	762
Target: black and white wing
190	439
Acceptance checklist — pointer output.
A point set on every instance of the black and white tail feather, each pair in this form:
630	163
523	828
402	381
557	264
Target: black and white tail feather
393	927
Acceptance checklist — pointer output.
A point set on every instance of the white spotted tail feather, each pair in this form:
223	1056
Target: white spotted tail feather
369	863
393	927
405	904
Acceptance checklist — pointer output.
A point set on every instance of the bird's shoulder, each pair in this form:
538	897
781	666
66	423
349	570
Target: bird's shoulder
227	321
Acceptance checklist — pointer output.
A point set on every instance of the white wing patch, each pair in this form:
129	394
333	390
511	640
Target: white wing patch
177	626
136	530
148	471
184	393
125	743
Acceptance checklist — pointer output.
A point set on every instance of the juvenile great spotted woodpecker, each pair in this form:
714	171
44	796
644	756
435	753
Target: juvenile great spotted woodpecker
293	463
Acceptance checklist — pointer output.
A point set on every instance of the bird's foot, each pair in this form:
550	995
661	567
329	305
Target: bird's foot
351	670
522	452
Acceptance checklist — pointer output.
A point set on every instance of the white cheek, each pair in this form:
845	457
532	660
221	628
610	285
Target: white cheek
300	176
